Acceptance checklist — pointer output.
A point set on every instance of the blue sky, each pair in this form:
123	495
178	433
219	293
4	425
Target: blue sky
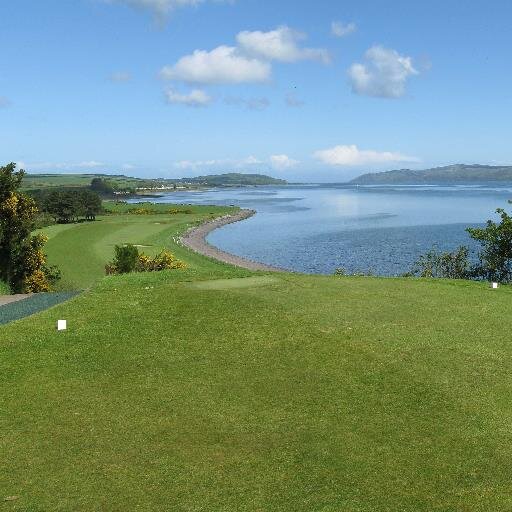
181	87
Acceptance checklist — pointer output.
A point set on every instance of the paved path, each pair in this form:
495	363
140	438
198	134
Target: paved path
8	299
195	239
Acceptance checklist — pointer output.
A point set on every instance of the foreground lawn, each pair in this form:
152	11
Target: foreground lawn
191	391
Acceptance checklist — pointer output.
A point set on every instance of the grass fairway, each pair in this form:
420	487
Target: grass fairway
82	250
284	393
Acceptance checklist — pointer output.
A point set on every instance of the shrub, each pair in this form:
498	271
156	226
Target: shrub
450	265
125	260
142	211
128	259
494	260
496	256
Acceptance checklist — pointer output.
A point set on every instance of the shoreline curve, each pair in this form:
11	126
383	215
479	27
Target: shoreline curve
195	239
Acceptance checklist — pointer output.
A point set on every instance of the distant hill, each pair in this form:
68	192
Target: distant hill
121	182
233	179
459	173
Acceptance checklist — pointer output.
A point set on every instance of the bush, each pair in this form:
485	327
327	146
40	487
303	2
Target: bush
496	256
128	259
494	260
450	265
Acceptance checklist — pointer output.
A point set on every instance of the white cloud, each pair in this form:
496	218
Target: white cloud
282	162
195	98
121	76
226	163
280	45
249	103
384	75
339	29
223	65
4	102
251	160
353	156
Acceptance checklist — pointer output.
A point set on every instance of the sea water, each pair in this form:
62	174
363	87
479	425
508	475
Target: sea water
377	229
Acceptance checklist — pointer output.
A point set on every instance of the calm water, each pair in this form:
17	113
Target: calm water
317	228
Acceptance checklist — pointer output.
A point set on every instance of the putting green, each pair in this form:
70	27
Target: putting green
229	284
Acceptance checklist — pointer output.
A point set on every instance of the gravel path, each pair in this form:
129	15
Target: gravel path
195	239
9	299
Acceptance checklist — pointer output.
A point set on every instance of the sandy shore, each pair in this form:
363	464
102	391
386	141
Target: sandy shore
195	239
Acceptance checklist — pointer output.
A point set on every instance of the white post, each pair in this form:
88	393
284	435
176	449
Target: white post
62	325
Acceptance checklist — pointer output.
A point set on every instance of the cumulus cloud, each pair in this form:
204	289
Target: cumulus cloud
195	98
339	29
353	156
282	162
223	65
121	76
279	45
248	103
248	62
384	75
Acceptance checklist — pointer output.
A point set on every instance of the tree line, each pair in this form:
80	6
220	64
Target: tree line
69	205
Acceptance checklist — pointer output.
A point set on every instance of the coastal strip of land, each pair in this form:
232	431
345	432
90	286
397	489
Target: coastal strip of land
195	239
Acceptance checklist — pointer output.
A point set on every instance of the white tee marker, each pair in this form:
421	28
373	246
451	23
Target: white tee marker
62	325
495	286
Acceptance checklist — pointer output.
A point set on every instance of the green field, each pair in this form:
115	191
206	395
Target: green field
45	181
217	389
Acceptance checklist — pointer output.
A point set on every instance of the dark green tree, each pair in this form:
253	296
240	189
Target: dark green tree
69	205
22	261
102	186
496	255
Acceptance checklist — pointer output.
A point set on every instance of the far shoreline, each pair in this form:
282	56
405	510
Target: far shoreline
195	239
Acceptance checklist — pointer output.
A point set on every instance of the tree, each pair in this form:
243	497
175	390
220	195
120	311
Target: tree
22	261
102	186
496	256
69	205
91	203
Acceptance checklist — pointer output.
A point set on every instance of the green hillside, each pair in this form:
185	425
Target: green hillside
451	174
44	181
235	179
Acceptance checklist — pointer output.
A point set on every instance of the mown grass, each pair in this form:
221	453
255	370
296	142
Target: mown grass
82	250
184	391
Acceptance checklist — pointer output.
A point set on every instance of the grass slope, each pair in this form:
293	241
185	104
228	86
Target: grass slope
172	391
